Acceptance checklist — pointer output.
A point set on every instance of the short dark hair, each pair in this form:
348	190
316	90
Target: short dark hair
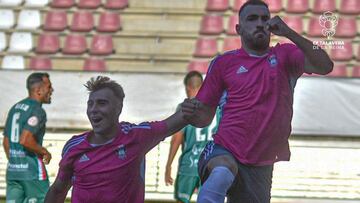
101	82
190	75
253	2
35	78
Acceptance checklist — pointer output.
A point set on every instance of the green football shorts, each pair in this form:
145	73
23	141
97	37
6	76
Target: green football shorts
185	186
26	191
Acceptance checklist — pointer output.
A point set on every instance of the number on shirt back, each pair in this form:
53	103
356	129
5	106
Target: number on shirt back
15	128
206	133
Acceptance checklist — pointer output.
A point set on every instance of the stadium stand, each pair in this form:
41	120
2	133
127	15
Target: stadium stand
3	44
217	5
40	63
321	6
211	25
7	18
36	3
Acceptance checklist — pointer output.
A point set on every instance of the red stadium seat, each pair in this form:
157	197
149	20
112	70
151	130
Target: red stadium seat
205	47
62	3
48	44
74	44
344	54
89	4
212	25
116	4
321	6
350	7
217	5
83	21
231	43
346	27
295	23
198	65
109	22
102	45
356	71
275	6
314	28
339	70
55	21
297	6
40	63
237	5
94	64
231	28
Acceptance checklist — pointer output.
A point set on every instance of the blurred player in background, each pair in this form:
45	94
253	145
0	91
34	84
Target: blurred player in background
26	177
193	141
257	83
107	164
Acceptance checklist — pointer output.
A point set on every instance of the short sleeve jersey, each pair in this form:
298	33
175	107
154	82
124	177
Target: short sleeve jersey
194	142
256	95
27	114
112	172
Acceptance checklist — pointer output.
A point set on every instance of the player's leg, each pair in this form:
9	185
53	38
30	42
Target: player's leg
217	170
35	190
14	192
252	185
184	188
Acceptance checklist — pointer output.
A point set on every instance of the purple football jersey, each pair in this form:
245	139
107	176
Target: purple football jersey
256	97
111	172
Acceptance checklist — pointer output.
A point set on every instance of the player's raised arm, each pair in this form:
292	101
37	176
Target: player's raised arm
316	59
58	191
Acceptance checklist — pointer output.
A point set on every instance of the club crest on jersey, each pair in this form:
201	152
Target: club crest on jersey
121	152
33	121
272	60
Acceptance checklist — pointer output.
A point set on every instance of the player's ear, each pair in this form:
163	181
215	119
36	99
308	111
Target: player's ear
238	29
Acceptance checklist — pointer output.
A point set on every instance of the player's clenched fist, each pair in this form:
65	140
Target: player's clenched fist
277	26
189	107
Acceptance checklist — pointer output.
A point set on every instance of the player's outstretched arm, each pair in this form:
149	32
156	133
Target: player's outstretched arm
58	191
28	140
175	122
176	141
316	59
196	113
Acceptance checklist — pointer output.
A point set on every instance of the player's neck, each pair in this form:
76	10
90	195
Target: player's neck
104	137
35	97
254	52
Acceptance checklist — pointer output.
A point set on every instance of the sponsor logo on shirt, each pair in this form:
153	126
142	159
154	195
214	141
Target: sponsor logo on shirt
241	70
272	60
121	152
17	153
84	158
33	121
